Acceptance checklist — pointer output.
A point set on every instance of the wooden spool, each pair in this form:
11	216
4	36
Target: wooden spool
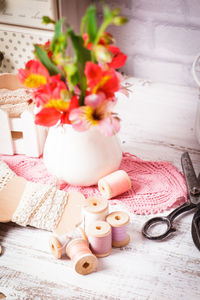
93	210
119	219
101	231
86	263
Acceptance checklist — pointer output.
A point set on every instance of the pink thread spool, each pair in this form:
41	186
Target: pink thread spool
118	220
58	243
100	238
84	261
114	184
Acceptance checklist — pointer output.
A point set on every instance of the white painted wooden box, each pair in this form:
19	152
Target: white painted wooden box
19	135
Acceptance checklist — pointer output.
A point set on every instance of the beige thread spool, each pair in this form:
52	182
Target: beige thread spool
100	238
58	243
94	209
118	221
85	262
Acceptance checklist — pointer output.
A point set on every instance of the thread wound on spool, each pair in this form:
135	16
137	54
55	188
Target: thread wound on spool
93	210
114	184
100	238
58	243
84	261
118	221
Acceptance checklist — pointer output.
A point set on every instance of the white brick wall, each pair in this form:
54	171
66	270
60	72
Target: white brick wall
161	39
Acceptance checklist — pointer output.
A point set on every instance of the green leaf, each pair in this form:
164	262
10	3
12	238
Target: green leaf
47	20
58	28
91	23
73	77
81	56
108	15
59	41
49	65
81	53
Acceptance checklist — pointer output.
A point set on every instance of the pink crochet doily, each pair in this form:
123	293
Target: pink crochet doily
156	186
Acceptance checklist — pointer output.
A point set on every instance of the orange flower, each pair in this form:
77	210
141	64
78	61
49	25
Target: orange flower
34	75
105	52
100	80
118	59
51	115
49	91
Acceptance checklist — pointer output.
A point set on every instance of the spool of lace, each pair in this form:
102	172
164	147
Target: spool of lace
100	238
84	261
94	209
114	184
118	221
58	243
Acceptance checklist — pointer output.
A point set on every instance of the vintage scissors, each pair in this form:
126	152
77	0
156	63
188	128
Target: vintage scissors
193	202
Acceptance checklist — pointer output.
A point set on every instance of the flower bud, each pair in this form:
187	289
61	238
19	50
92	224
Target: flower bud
120	20
102	54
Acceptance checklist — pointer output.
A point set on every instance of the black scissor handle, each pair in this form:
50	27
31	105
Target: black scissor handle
196	228
155	221
168	220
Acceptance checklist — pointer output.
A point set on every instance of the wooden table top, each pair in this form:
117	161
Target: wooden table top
158	122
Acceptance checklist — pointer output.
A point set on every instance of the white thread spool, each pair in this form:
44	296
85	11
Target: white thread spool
118	221
100	238
58	243
94	209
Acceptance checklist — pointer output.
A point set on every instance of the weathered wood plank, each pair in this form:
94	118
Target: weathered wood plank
157	124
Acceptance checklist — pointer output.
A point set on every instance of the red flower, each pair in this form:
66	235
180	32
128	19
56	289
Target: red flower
46	47
106	40
34	75
86	43
119	58
49	91
50	116
100	80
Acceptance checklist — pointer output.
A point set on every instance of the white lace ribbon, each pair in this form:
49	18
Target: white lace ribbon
41	206
5	174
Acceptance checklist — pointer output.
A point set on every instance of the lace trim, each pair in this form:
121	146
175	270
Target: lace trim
5	174
15	102
14	96
41	206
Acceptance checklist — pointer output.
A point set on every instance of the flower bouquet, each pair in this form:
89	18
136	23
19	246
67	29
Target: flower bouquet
78	89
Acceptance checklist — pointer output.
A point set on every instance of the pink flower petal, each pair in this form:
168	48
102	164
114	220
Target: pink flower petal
95	100
109	126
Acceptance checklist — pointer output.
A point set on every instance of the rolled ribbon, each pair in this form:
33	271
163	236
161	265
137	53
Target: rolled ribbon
118	221
114	184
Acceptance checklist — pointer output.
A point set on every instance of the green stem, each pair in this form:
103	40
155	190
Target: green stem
102	28
82	26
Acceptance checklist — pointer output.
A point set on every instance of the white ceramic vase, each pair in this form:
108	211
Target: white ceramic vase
81	158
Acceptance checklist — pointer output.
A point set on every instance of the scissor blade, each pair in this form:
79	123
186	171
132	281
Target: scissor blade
192	181
196	229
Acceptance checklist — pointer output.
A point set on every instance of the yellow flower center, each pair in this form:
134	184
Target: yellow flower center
100	84
35	80
93	116
59	104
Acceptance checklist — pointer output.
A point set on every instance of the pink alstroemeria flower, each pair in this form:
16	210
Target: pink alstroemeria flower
96	112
